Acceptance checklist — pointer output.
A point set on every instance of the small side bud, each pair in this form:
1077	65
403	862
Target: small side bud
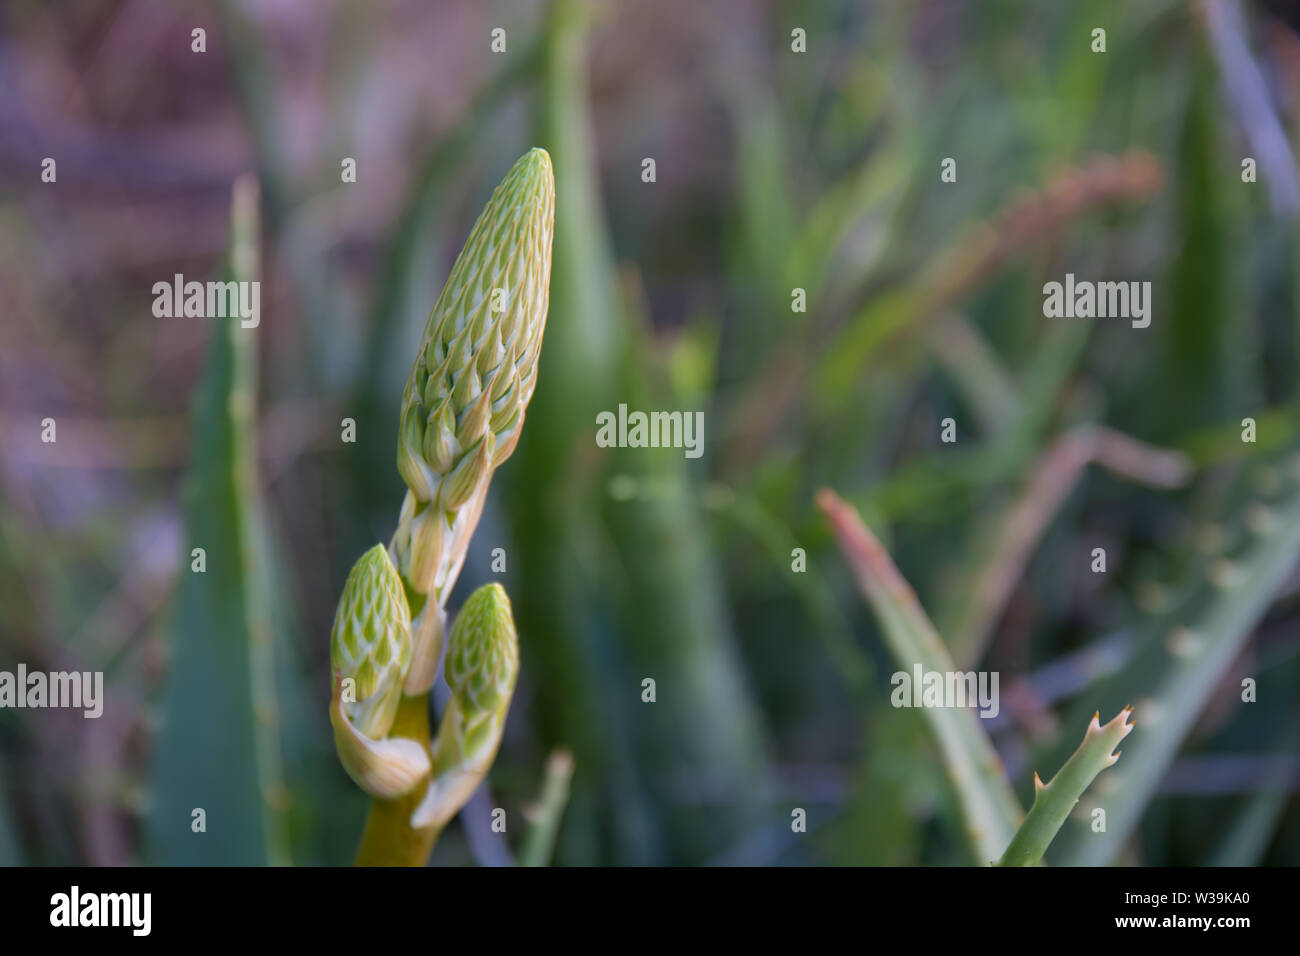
481	668
371	641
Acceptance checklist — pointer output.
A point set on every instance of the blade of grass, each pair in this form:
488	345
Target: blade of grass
977	372
851	662
980	251
841	349
540	843
1021	525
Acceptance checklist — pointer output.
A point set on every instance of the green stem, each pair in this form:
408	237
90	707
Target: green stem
388	839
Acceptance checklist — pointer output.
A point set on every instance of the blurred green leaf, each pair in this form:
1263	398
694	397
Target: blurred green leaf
990	812
1186	652
1204	341
554	477
218	748
10	849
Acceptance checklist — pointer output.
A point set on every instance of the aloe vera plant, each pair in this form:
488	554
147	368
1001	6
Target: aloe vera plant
1188	645
462	410
995	825
1197	630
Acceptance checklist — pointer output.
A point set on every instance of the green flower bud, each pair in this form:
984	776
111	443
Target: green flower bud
371	643
474	373
483	652
481	668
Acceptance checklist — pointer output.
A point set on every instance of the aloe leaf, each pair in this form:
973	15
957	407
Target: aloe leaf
1205	355
10	848
676	630
1054	800
325	810
989	807
852	664
884	822
1185	655
1247	835
218	749
556	594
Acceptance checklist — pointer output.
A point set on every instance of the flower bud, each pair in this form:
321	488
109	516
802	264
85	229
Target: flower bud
370	644
481	668
464	401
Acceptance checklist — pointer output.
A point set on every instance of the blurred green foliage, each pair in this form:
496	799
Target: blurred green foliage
775	170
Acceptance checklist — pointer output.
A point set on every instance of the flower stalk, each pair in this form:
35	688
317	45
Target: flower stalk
462	411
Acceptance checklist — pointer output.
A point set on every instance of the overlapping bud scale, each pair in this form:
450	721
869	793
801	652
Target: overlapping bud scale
371	641
481	669
462	411
475	372
482	660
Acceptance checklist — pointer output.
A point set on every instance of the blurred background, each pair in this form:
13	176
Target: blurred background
775	170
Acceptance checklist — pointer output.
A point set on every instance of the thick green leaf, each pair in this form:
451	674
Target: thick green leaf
218	748
1185	652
